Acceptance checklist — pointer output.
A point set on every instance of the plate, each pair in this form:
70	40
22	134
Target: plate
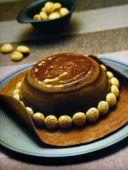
15	138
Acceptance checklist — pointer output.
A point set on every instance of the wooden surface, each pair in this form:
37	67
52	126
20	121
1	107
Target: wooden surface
100	33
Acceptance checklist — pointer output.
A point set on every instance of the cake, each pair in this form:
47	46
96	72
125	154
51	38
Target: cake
68	85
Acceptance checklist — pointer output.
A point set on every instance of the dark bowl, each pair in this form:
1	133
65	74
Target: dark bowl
27	13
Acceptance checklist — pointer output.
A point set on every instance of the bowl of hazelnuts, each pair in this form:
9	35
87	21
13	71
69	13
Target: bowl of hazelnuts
47	15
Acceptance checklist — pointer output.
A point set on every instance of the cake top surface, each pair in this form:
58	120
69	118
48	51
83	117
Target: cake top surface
64	69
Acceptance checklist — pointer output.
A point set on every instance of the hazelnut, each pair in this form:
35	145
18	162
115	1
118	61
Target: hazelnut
63	11
103	67
43	15
54	15
23	49
51	121
43	9
92	114
30	111
65	121
38	118
37	17
103	107
115	81
57	5
6	48
109	74
49	7
17	97
115	90
16	56
111	99
79	119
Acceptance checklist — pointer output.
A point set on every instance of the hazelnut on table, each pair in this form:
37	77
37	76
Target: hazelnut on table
6	48
16	56
23	49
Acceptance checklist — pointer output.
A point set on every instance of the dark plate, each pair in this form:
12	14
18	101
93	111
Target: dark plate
15	138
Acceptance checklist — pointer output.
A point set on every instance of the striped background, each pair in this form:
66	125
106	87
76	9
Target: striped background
97	26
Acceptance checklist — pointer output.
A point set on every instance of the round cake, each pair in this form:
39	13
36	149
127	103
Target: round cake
64	84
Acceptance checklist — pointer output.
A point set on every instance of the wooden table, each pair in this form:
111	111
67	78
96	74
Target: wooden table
99	27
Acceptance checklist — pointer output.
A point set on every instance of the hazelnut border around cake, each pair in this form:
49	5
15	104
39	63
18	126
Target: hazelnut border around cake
67	89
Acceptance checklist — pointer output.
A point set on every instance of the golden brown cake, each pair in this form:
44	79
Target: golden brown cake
64	84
